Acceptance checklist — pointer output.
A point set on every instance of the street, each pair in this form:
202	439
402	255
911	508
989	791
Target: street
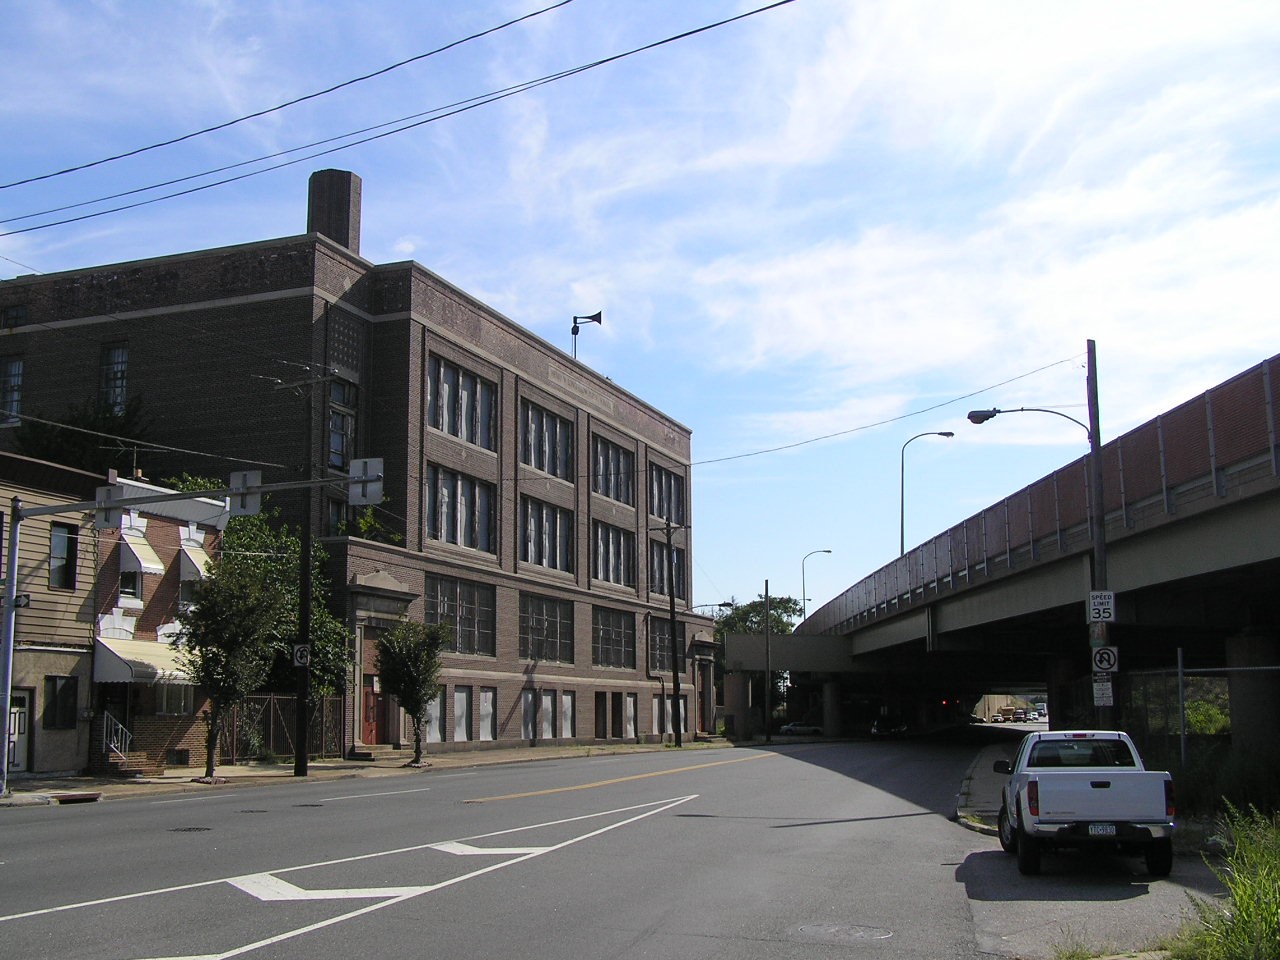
809	850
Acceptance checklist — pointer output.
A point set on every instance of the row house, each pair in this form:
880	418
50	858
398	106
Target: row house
96	679
533	504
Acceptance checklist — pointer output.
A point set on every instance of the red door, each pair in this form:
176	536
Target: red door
375	714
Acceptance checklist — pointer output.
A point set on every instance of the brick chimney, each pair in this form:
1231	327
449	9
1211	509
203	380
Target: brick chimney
333	207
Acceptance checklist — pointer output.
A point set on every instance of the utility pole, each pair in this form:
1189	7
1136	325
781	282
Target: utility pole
1098	630
768	673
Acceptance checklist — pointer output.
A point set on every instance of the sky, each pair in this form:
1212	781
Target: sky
814	232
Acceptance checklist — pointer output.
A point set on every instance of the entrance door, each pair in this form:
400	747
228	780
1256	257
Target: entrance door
375	714
19	729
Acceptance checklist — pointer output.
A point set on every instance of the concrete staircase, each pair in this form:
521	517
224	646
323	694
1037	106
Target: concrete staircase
133	764
380	752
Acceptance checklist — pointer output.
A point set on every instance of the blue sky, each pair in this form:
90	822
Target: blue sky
818	221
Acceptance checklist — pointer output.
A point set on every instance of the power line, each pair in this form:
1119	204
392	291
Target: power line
281	106
439	113
881	423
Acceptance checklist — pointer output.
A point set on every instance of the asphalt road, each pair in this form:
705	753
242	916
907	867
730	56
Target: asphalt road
800	851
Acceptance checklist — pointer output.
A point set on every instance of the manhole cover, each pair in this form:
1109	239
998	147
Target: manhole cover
308	804
253	811
188	829
841	934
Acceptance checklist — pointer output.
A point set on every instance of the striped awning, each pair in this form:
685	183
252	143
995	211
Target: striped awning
136	661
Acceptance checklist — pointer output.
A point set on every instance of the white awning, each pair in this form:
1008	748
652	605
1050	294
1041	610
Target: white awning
136	554
136	661
191	561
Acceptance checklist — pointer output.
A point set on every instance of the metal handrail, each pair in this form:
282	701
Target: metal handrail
116	737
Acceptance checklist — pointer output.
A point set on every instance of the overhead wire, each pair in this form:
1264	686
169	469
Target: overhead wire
437	114
281	106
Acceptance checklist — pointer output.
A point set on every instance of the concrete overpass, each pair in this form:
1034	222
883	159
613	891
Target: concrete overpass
999	601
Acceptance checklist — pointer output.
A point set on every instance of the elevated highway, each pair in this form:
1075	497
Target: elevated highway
999	601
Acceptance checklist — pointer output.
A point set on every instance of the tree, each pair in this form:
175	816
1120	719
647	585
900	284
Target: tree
274	551
408	664
237	638
228	638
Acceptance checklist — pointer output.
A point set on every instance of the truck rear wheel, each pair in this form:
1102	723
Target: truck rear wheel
1028	854
1159	854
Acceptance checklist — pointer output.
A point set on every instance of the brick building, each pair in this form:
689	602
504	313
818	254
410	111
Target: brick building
527	497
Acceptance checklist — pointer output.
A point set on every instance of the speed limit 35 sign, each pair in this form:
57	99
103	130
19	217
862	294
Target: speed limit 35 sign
1102	606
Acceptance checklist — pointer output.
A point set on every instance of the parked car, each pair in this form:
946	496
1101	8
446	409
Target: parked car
888	726
801	729
1085	788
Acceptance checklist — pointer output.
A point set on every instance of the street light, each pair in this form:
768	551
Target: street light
1097	519
804	594
902	482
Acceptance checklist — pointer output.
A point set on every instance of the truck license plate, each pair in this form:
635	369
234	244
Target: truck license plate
1102	829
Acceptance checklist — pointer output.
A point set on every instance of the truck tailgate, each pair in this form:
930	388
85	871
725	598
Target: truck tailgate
1101	794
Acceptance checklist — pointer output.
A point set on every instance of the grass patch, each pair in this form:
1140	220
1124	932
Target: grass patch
1246	924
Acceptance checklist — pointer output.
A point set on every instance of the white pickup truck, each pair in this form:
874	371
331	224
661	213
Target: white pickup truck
1082	788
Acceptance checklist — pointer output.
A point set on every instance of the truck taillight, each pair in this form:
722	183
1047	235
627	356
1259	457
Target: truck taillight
1170	808
1033	797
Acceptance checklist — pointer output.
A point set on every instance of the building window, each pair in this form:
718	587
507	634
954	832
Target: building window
187	594
613	638
10	389
461	510
658	553
666	494
613	554
547	535
175	699
131	584
14	315
114	367
469	607
613	471
546	441
60	703
546	629
342	423
335	513
660	645
461	403
64	541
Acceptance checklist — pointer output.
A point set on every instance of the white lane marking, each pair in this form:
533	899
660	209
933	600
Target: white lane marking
268	888
392	901
385	793
459	849
212	796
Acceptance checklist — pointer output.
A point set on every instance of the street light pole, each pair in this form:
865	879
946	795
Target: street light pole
677	715
1098	630
804	593
902	486
768	673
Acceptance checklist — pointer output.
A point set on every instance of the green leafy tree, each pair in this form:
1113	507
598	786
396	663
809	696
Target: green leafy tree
274	551
408	664
88	437
229	637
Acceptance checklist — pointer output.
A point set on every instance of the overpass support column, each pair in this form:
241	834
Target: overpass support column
1255	696
831	719
1063	685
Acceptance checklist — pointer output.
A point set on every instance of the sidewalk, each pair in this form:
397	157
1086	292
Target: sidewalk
978	802
41	791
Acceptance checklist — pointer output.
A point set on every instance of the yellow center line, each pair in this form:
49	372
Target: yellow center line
606	783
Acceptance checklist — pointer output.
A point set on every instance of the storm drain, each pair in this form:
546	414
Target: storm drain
308	804
841	934
253	811
188	829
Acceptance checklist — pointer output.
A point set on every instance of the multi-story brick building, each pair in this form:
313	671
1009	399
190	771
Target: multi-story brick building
527	497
